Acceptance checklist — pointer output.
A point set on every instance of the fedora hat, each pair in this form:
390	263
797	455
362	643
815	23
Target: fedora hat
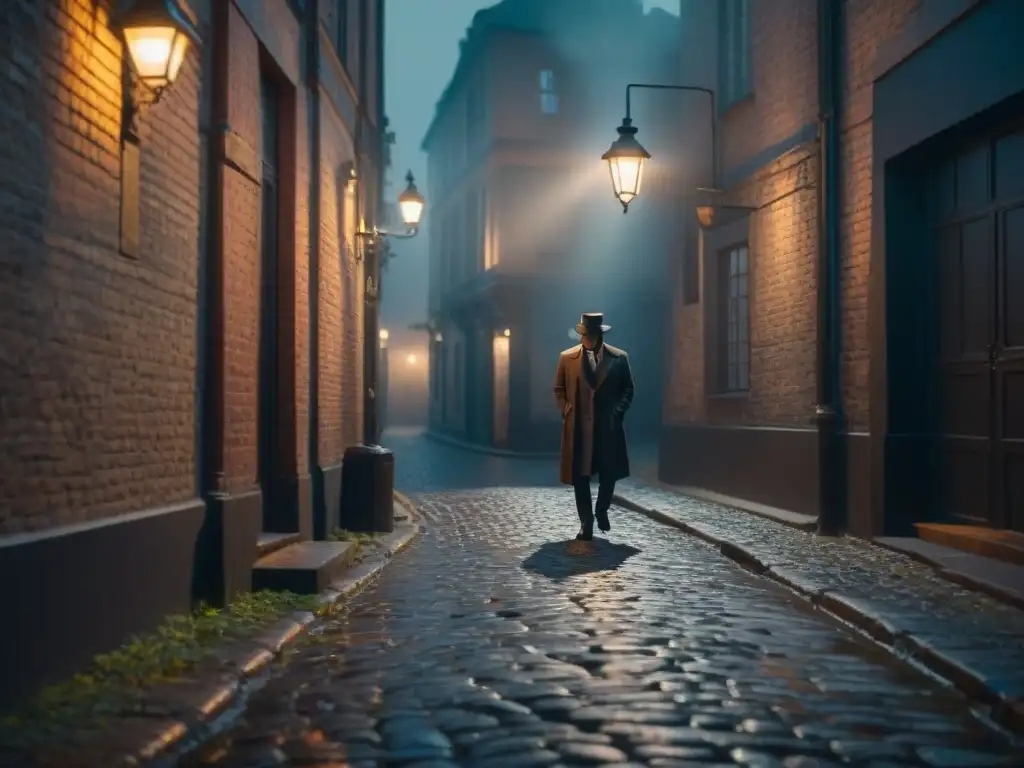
591	322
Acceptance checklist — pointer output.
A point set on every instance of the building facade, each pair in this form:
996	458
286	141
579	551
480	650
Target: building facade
848	348
520	239
183	309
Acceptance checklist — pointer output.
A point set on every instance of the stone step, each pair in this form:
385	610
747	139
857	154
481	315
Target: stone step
1007	546
306	567
271	542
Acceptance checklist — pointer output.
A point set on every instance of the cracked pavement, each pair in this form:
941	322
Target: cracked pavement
489	643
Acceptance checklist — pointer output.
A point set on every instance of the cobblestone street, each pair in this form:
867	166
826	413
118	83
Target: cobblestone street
487	644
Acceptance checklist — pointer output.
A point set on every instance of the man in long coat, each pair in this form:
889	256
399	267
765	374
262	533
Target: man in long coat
593	389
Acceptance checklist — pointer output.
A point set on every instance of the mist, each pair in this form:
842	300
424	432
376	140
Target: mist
552	223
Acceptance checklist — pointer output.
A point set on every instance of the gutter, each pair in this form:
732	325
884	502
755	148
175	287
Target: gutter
829	417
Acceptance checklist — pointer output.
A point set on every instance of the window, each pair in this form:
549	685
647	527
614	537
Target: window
548	95
734	319
734	52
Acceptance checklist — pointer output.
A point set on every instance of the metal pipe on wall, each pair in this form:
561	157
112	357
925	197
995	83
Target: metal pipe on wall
829	411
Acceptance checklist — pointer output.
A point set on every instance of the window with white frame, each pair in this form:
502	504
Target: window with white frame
735	81
548	94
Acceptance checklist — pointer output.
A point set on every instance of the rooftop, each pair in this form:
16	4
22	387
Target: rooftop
550	18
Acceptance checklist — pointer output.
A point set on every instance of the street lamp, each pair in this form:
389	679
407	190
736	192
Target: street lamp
410	205
157	34
626	158
383	336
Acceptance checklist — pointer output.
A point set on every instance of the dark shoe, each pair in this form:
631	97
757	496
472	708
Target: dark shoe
586	533
603	522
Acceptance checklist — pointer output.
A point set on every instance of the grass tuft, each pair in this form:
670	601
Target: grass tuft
116	682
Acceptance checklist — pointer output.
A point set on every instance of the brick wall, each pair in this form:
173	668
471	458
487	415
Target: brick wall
782	236
340	285
302	283
241	262
784	51
869	24
783	310
97	350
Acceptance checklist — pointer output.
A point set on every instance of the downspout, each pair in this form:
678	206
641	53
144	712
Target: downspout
829	412
313	112
209	576
370	252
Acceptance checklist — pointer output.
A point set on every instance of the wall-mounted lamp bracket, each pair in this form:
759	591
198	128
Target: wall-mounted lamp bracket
709	204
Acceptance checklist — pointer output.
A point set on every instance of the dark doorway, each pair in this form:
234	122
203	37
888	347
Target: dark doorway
978	208
269	465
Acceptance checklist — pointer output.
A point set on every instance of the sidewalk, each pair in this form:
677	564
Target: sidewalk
154	721
970	639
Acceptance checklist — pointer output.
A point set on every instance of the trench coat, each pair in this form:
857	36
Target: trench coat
592	431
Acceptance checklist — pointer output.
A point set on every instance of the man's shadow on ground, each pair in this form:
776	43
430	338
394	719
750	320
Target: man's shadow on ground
558	560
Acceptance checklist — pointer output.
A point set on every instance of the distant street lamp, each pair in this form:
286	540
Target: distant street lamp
410	205
157	34
383	336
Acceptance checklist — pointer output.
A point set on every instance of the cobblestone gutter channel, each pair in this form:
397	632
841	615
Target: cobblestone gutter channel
968	639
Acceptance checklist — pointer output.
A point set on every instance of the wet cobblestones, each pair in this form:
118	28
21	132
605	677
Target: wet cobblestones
971	629
486	644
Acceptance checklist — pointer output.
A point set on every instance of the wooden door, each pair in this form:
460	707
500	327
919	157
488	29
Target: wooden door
1008	351
980	238
967	269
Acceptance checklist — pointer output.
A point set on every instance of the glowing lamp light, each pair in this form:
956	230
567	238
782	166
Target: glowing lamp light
383	335
157	34
410	203
507	332
626	158
411	359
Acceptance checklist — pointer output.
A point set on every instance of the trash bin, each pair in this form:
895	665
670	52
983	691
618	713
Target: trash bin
367	489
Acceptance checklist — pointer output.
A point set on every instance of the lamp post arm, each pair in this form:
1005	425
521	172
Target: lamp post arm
698	89
390	235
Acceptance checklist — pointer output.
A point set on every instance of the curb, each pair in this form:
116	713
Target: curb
248	658
455	442
780	516
1005	712
958	577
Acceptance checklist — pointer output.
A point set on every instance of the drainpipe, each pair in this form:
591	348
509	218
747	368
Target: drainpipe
829	411
313	111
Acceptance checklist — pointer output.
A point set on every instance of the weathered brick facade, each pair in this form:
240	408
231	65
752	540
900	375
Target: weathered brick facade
130	385
98	350
761	444
869	25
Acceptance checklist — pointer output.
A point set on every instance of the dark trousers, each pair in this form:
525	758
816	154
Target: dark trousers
584	505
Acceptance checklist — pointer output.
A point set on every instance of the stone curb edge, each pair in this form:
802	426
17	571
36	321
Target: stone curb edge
968	581
1006	712
268	645
454	442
